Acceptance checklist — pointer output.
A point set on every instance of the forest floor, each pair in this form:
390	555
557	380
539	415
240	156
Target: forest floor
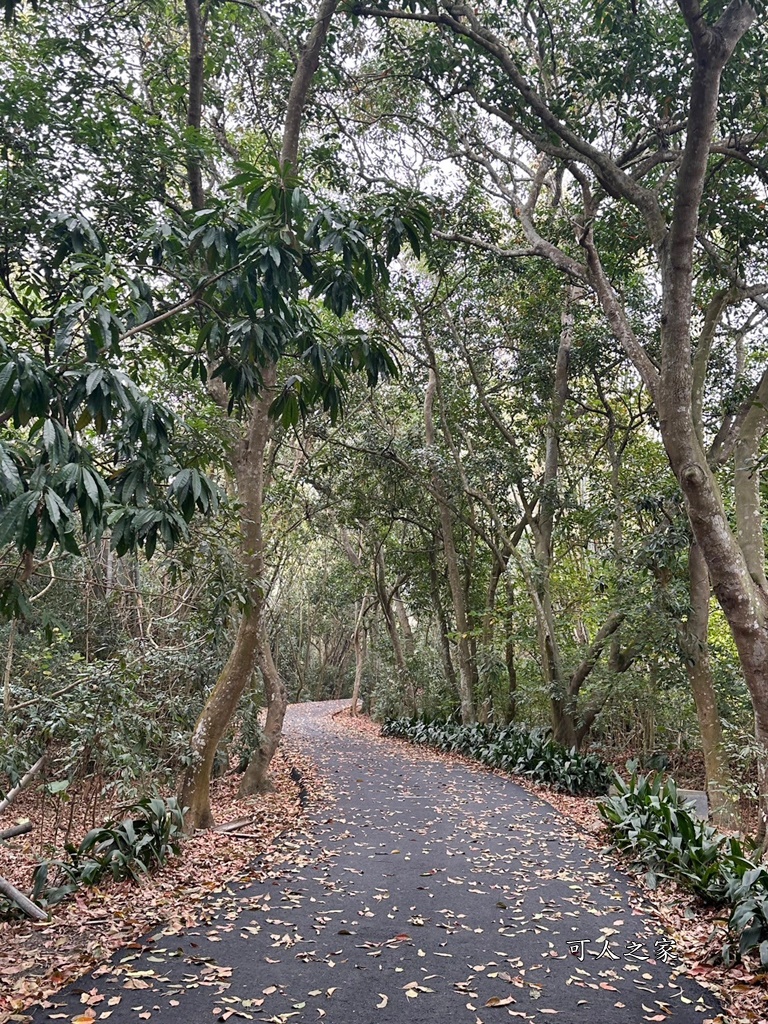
418	882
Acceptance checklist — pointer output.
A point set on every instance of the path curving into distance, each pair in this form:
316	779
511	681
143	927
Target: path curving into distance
426	891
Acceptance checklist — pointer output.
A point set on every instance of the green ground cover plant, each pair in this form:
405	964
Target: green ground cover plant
513	748
142	841
651	823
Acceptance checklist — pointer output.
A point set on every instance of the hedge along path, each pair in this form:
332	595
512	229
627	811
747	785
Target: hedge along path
421	891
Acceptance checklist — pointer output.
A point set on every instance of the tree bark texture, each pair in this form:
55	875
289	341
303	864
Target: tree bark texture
256	777
236	674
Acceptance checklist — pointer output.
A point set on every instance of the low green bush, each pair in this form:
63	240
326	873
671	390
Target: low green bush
513	748
126	849
748	923
651	823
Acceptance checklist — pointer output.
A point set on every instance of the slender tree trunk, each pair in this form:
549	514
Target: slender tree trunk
250	469
214	719
22	784
360	644
405	626
442	625
509	654
195	83
236	674
385	601
563	708
699	671
452	564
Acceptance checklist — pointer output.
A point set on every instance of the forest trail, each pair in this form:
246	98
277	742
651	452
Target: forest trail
426	891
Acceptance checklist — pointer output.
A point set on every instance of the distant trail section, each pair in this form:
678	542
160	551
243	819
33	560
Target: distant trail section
421	891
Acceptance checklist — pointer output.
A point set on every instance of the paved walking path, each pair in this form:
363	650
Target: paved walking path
428	892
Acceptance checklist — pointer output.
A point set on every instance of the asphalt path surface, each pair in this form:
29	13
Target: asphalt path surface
421	891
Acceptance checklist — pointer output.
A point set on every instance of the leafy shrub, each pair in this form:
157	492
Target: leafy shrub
748	923
513	748
651	823
126	849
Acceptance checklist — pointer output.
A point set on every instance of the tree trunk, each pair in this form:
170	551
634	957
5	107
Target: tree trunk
509	654
562	706
249	465
385	601
452	563
195	83
702	685
405	626
22	784
256	778
360	645
214	719
442	626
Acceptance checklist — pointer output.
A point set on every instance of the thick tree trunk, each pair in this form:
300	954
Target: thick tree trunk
256	777
702	685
